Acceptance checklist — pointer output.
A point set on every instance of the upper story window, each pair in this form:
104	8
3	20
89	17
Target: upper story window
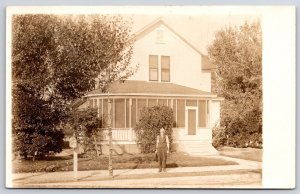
163	65
165	68
153	68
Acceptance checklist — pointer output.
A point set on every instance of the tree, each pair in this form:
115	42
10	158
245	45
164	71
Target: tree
84	124
55	60
151	121
237	53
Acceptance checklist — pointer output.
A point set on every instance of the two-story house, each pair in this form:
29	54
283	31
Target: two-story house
172	72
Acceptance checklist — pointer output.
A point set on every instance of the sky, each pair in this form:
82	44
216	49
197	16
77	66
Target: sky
198	29
197	24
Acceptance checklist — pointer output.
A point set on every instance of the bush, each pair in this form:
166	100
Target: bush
152	119
222	137
219	137
38	143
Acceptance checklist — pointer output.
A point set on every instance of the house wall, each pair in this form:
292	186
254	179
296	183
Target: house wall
215	113
180	134
185	68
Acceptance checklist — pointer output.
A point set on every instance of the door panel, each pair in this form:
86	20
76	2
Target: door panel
191	122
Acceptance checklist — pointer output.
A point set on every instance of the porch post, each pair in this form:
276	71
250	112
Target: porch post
125	111
130	128
98	108
209	113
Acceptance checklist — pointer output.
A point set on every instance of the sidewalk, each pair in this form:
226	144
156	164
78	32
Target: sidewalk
244	169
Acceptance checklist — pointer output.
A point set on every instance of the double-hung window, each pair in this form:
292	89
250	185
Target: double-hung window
165	68
153	68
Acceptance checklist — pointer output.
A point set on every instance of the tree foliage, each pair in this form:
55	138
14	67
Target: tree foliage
55	60
84	124
151	121
237	53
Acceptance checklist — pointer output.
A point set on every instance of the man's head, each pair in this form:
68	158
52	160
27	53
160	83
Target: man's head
162	130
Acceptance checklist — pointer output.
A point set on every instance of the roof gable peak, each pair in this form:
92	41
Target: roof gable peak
157	23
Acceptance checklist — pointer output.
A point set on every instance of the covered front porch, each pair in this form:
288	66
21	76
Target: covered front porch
195	112
124	141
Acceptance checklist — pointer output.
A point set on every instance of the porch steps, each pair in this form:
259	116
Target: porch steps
196	148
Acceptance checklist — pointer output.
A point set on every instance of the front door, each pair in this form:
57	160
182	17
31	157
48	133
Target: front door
191	121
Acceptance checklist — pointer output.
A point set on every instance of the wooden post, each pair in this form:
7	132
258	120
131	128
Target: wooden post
130	128
209	114
75	163
73	144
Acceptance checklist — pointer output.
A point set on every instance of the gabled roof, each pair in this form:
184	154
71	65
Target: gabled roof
144	88
206	64
156	23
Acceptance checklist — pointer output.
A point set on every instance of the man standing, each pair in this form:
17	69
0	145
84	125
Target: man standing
162	149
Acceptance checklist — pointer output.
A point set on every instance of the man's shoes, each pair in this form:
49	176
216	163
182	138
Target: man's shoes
159	170
164	170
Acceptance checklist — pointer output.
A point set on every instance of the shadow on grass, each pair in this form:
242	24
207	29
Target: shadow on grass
122	148
54	158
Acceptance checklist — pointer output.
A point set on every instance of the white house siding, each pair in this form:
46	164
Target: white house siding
185	62
180	134
215	113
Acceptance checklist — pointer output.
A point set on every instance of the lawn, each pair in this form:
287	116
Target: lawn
242	153
126	161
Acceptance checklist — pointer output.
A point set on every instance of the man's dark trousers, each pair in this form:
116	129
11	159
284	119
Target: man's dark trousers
162	158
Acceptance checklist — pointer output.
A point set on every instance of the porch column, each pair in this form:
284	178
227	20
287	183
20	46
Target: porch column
209	113
130	128
98	108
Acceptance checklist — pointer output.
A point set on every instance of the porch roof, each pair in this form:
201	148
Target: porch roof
130	87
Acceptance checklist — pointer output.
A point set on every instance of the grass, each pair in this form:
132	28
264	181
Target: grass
126	161
242	153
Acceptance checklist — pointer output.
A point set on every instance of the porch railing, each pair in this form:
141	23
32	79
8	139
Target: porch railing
118	135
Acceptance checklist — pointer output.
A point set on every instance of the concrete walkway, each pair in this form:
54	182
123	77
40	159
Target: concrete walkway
205	176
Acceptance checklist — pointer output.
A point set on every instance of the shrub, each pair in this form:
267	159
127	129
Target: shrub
223	137
219	137
38	144
152	119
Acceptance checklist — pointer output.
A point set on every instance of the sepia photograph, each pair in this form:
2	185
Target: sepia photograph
135	97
